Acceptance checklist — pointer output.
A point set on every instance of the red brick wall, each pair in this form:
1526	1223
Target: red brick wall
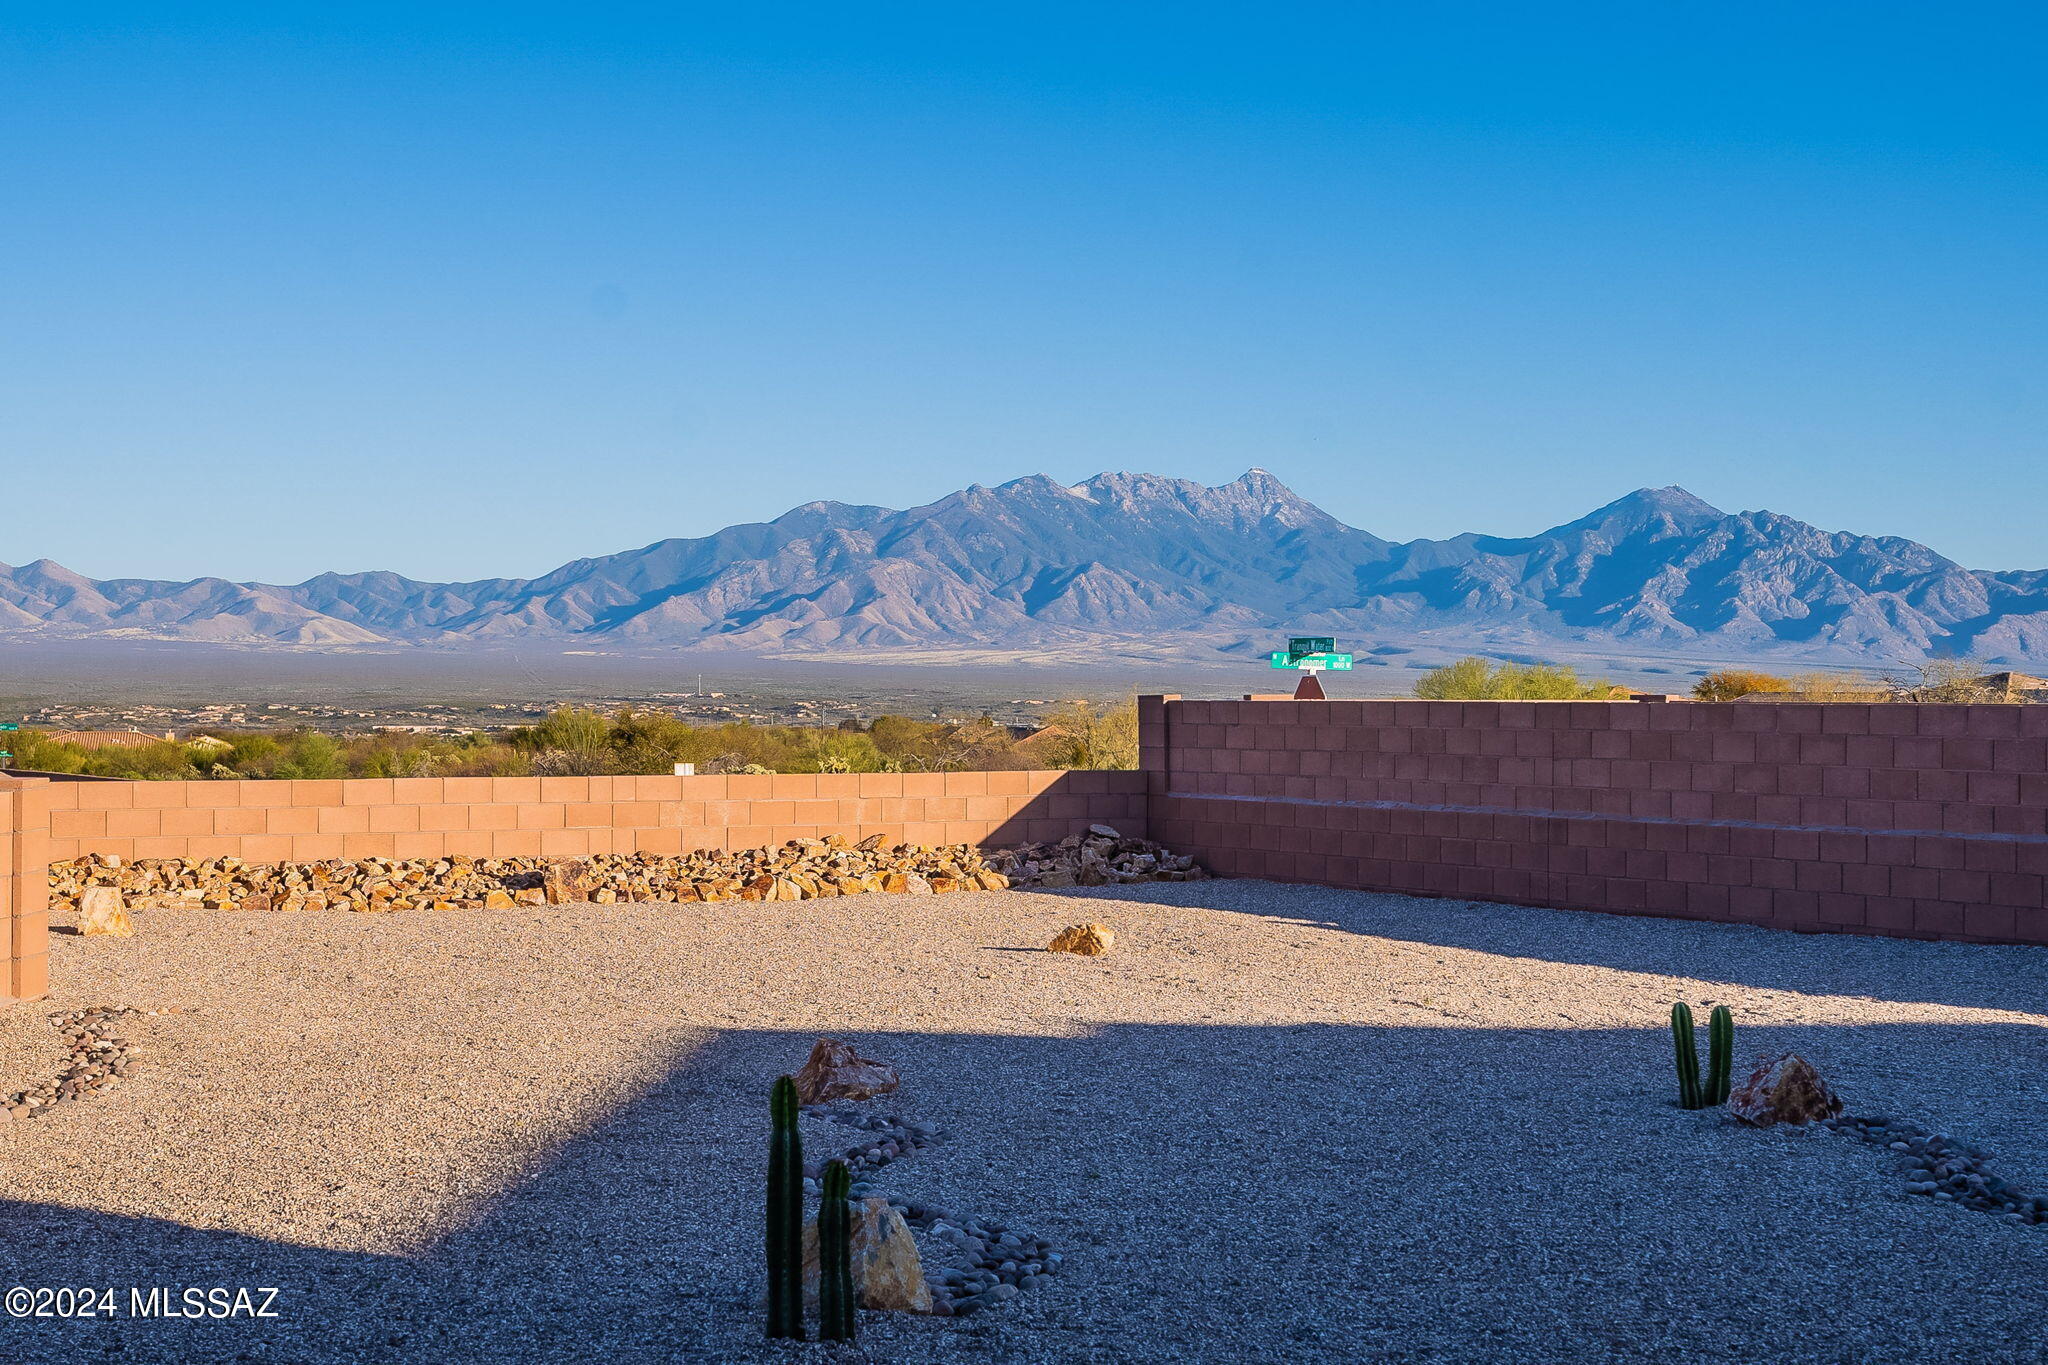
24	889
1926	821
432	817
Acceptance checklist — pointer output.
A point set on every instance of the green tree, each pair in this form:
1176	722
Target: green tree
311	756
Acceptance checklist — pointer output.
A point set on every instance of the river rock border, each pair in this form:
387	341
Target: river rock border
1002	1262
1950	1171
97	1060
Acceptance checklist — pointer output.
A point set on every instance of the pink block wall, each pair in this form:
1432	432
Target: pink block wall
1925	821
24	888
570	817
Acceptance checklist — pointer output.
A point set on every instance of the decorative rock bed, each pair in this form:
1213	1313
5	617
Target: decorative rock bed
801	869
1101	857
97	1060
992	1263
1949	1171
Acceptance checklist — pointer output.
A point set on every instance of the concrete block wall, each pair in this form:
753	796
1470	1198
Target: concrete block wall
1925	821
24	888
434	817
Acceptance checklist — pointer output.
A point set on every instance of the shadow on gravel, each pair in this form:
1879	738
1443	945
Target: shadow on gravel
1967	975
1225	1193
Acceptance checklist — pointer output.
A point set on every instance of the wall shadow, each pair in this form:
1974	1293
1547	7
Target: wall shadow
1232	1193
1970	975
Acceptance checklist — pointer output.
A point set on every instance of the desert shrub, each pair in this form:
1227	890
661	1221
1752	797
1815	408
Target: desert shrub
1097	737
1729	683
311	756
577	741
1946	680
1477	679
35	749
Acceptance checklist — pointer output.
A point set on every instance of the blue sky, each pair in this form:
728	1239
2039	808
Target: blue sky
466	293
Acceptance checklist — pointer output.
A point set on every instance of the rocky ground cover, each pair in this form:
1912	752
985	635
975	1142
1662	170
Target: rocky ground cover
801	869
1099	857
1275	1123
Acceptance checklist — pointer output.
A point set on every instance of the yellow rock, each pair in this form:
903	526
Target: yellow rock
887	1273
1089	940
102	911
499	900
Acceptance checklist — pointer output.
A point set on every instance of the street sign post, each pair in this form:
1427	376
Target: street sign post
1310	655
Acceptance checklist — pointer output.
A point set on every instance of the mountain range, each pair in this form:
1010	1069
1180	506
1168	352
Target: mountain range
1138	561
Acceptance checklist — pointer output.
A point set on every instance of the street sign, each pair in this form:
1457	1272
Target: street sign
9	725
1310	662
1311	644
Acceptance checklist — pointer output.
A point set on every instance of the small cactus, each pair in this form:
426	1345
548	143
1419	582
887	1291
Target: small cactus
785	1214
1689	1094
835	1256
1720	1053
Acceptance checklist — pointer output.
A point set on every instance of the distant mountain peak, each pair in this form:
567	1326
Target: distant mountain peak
1041	565
1670	504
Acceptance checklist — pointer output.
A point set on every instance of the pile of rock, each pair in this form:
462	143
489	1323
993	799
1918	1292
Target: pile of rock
97	1059
1101	857
802	869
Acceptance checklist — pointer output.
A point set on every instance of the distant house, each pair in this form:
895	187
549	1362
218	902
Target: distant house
109	739
1048	746
2017	686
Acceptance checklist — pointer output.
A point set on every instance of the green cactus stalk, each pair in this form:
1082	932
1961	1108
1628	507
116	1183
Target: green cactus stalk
835	1256
785	1214
1720	1053
1689	1096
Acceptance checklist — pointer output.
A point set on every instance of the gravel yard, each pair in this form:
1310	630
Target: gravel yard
1277	1123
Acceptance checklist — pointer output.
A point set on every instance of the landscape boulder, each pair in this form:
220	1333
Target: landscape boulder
888	1274
836	1072
566	882
1089	940
101	910
1783	1089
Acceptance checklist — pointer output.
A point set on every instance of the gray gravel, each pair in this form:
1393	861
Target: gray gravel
1276	1124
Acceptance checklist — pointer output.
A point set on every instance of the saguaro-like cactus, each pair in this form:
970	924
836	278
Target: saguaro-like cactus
1720	1053
785	1214
835	1256
1689	1094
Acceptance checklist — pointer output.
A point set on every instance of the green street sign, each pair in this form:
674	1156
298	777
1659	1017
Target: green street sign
1311	644
9	725
1324	659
